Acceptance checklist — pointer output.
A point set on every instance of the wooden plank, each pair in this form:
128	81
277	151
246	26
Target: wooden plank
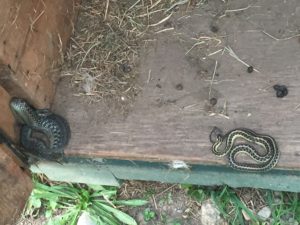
76	173
197	174
15	184
33	37
167	123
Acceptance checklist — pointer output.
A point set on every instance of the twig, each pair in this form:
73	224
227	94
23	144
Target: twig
182	2
236	10
36	19
87	52
149	77
194	45
164	191
212	80
220	81
164	30
155	4
149	13
106	9
280	39
160	22
131	7
232	53
216	52
108	201
60	47
16	14
154	201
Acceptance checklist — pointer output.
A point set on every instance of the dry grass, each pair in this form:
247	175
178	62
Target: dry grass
103	55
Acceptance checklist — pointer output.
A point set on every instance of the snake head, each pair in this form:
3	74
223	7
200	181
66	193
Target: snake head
23	112
216	135
219	138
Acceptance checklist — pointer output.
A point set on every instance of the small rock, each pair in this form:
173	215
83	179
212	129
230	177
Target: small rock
210	214
264	213
291	220
85	219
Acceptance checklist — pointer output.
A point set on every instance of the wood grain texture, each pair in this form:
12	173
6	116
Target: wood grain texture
168	124
15	184
33	38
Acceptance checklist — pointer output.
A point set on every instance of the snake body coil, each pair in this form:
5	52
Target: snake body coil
52	132
265	161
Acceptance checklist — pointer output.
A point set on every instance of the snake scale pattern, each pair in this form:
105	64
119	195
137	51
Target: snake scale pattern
43	133
227	145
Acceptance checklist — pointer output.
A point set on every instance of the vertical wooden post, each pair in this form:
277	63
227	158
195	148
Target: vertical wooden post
15	184
33	37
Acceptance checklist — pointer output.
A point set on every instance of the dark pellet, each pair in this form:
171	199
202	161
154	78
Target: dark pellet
281	90
213	101
179	87
250	69
214	28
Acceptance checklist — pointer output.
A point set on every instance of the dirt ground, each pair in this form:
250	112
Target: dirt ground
170	203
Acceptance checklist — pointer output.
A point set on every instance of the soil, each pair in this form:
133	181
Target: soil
170	203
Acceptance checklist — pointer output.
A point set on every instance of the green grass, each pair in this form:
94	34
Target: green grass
284	205
71	200
149	214
62	204
231	206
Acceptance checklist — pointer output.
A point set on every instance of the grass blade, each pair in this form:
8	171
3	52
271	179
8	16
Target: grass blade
123	217
131	202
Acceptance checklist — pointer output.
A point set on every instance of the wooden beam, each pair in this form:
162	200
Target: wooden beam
34	35
167	123
100	172
15	184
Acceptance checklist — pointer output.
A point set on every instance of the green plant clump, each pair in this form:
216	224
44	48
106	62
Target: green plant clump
149	214
72	200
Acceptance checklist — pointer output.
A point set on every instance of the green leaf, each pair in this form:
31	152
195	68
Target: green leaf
131	202
148	214
241	205
48	213
36	202
98	211
186	186
96	187
123	217
53	204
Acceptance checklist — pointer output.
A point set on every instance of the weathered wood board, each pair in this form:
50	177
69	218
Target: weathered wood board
33	37
169	123
15	184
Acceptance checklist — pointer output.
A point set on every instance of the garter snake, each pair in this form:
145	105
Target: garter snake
43	133
225	145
